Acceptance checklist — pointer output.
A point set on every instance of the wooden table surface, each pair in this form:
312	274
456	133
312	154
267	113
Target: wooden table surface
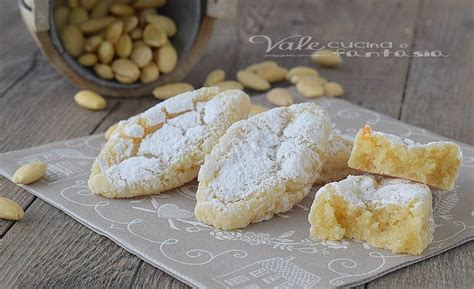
48	248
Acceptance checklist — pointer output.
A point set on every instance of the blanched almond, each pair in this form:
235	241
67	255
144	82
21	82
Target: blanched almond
106	52
10	210
88	4
254	67
130	23
333	89
141	55
169	90
143	14
326	57
154	36
96	24
269	70
101	8
314	78
88	59
125	70
310	87
279	97
123	46
215	76
167	58
29	173
143	4
121	9
295	74
164	22
149	73
73	40
77	16
114	31
252	80
92	43
104	71
61	14
90	100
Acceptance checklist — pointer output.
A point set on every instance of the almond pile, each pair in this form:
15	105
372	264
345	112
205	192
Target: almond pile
123	40
260	76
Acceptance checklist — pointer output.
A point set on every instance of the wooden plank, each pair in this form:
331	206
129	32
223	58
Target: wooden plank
18	57
439	98
49	249
148	276
439	90
452	269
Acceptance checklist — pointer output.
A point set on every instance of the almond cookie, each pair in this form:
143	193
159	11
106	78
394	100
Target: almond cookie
262	166
335	166
163	147
435	164
388	213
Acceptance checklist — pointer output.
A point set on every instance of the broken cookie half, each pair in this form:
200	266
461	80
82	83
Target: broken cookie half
164	147
388	213
262	166
436	164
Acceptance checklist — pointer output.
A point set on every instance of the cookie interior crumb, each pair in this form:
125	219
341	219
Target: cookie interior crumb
354	210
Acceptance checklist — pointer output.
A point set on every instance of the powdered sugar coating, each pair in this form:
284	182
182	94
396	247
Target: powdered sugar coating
262	166
381	191
164	146
398	140
134	130
408	143
154	116
134	170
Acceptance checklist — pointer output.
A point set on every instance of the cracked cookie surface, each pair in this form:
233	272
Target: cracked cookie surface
164	147
262	166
